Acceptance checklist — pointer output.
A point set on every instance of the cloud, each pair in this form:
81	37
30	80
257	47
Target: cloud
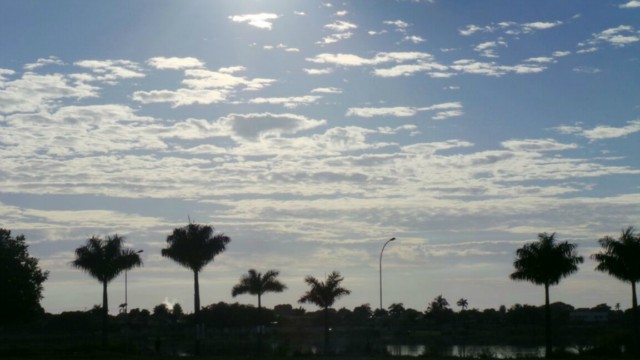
398	24
261	21
609	132
630	5
561	53
619	36
259	125
536	145
324	71
341	26
288	102
174	63
443	115
488	49
404	111
492	69
334	38
33	92
110	71
51	60
601	132
509	28
204	87
541	60
586	69
327	90
355	60
414	39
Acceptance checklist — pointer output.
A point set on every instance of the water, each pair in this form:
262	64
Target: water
497	351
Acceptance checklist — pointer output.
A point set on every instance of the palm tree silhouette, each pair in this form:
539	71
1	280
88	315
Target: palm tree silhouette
104	260
546	262
256	283
621	259
463	303
324	294
194	246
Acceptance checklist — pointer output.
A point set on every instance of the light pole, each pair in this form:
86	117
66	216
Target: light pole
126	302
381	251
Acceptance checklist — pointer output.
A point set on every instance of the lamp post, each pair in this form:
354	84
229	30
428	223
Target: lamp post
385	245
126	302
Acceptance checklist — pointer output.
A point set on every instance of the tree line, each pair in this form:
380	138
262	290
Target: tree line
544	262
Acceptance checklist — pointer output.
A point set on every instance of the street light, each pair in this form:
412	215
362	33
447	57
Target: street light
126	303
385	245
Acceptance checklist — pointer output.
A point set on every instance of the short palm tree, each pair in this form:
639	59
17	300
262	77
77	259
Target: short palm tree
621	259
324	294
255	283
194	246
104	260
546	262
463	303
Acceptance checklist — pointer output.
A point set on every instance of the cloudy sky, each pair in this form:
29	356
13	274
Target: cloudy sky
311	132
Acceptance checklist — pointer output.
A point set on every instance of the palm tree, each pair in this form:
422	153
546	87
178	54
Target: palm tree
621	259
324	294
104	260
256	283
463	303
546	262
194	246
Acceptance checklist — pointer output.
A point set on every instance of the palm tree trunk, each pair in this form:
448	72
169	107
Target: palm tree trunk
260	322
547	322
196	311
326	331
636	330
105	313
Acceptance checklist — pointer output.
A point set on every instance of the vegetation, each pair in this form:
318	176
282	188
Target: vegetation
194	246
20	280
255	283
231	327
621	259
104	260
324	294
546	262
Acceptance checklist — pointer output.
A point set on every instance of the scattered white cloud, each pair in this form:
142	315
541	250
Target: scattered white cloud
334	38
355	60
288	102
341	26
324	71
260	125
414	39
601	132
619	36
488	48
586	70
509	28
561	53
630	5
341	13
398	24
537	145
327	90
51	60
174	63
541	60
405	111
110	71
261	21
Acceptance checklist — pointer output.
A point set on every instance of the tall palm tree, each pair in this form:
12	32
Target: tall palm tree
104	259
194	246
546	262
621	259
255	283
324	294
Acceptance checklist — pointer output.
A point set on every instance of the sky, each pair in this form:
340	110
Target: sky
311	132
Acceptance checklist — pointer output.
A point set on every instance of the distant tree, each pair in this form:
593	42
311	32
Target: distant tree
177	311
161	311
546	262
255	283
20	280
438	304
621	259
324	294
104	260
396	309
362	314
194	246
463	303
